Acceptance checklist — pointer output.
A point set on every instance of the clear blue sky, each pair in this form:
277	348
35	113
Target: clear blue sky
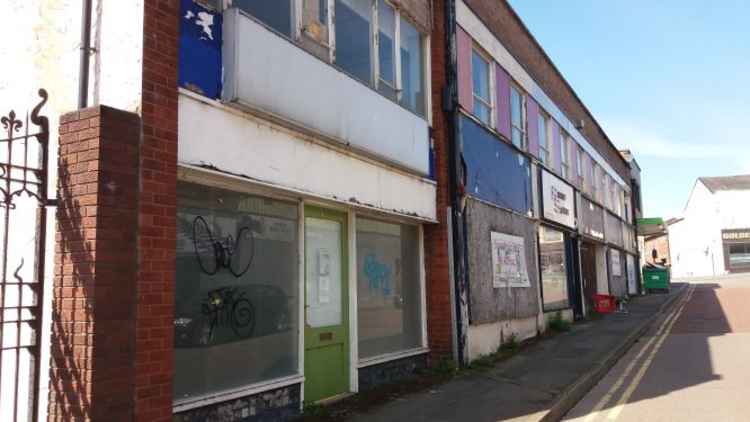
669	80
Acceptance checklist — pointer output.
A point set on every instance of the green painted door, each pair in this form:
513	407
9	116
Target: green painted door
326	304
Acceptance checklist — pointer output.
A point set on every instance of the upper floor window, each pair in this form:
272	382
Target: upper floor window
565	155
480	69
387	49
314	31
544	140
353	40
276	14
390	59
517	117
579	165
412	68
594	181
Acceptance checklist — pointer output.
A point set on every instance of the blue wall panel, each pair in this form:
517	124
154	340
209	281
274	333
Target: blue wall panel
200	49
496	172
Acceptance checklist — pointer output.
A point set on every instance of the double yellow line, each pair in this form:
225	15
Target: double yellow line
664	329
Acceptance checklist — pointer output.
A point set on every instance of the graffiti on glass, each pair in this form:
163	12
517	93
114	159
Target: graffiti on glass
378	274
226	307
233	253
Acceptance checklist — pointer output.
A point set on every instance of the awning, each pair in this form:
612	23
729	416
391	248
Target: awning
650	226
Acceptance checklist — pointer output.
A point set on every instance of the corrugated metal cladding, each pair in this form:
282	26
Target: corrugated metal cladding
200	49
496	172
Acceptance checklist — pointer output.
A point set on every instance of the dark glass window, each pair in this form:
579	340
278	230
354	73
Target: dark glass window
235	318
353	29
277	13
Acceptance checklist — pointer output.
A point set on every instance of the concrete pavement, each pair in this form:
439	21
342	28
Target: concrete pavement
540	383
693	365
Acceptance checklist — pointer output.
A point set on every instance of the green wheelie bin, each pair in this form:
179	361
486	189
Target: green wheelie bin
655	278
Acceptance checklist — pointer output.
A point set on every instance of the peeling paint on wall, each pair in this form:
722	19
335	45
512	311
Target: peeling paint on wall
200	49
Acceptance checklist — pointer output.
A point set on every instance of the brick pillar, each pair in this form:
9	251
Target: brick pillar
157	213
439	327
91	372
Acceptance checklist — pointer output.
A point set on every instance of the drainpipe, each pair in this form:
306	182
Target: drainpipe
83	71
450	107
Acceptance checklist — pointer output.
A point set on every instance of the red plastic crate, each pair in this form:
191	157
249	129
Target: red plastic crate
604	304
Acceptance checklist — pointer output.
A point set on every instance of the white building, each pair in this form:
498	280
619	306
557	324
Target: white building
714	236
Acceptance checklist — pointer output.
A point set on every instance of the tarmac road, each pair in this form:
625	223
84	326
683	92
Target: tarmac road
692	365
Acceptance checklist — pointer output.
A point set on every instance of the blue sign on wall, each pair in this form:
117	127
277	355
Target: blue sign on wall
199	64
496	172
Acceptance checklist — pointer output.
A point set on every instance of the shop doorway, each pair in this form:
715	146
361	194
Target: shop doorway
588	273
326	304
574	276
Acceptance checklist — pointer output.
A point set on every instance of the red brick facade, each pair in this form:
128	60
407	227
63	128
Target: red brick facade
95	261
113	304
157	208
439	324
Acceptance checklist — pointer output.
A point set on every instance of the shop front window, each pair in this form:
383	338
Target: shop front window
389	296
552	267
236	292
739	255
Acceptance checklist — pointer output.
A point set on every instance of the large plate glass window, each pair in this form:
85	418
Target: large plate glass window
739	255
412	68
517	118
553	269
277	14
480	70
389	302
353	38
237	290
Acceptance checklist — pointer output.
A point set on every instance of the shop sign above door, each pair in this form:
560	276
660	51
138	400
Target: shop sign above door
557	200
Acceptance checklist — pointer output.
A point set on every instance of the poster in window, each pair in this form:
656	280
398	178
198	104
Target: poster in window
508	261
614	259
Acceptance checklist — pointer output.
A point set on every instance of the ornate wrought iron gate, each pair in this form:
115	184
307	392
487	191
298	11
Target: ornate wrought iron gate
23	200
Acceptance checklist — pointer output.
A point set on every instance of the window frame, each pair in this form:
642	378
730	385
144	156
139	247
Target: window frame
359	362
579	166
475	48
564	155
522	97
544	144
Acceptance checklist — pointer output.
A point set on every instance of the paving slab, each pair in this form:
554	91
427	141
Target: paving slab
542	382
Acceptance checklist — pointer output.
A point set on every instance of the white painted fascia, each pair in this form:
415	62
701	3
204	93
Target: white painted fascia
484	37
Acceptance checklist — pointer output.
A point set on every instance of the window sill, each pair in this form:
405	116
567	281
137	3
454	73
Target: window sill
363	363
181	405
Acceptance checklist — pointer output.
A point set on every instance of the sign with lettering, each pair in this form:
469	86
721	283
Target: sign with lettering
508	261
738	234
558	200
